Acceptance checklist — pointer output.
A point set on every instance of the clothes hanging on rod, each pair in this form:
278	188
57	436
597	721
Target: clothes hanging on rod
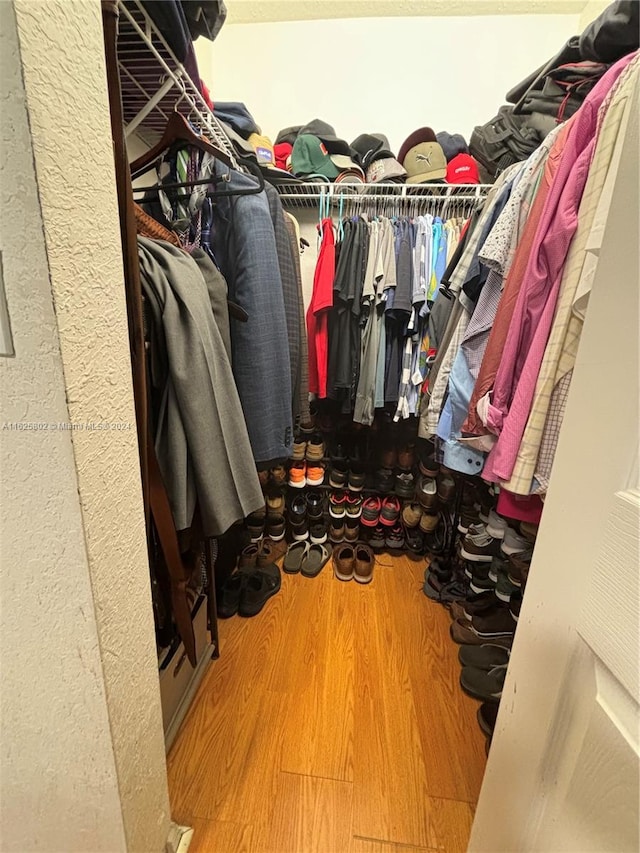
497	396
368	323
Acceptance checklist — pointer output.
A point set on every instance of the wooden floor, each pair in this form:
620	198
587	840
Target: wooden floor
332	722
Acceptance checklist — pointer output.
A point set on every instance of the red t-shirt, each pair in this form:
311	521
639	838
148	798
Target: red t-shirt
317	315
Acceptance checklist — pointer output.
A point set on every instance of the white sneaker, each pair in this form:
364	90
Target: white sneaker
513	542
496	525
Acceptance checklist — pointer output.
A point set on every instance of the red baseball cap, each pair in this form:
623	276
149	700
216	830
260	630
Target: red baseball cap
463	169
282	152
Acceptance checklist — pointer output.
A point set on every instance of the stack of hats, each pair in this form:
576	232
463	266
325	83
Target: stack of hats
461	166
317	152
376	158
423	158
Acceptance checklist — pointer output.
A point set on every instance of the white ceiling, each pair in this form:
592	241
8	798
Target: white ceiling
260	11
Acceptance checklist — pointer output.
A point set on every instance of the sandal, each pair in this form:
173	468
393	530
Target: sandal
314	560
295	556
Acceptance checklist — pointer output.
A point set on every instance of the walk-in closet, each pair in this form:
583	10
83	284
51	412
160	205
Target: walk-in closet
327	402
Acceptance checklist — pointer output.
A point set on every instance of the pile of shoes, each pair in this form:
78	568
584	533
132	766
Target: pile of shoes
255	580
483	588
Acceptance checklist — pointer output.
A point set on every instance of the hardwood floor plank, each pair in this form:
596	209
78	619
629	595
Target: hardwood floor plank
318	730
452	742
310	816
371	845
387	750
216	836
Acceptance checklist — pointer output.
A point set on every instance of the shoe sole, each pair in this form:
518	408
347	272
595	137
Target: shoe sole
496	532
353	488
389	522
479	589
369	522
354	515
315	482
510	549
277	538
359	579
475	558
475	694
335	485
301	537
335	541
492	634
514	581
297	485
340	576
335	514
320	541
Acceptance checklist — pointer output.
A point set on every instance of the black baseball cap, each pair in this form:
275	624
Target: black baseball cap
370	147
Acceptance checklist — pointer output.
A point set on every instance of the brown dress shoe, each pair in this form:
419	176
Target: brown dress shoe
344	559
389	458
363	572
407	458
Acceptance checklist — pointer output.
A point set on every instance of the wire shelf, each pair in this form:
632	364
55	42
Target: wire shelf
154	83
310	193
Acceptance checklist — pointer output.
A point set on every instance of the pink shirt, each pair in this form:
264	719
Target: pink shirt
533	314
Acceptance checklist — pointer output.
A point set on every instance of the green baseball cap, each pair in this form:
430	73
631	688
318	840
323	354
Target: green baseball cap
310	156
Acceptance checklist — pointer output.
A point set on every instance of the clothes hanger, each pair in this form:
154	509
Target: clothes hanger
178	129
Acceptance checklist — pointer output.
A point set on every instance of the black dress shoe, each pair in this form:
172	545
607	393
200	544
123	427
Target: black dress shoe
258	588
228	598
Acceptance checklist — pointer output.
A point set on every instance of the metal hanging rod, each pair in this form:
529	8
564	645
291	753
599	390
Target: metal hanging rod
154	83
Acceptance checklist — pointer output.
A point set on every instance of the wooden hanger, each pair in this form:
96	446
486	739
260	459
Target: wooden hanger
178	129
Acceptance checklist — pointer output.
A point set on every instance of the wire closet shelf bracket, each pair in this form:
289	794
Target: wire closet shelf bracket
154	83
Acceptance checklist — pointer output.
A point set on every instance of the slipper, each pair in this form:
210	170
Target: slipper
314	560
295	555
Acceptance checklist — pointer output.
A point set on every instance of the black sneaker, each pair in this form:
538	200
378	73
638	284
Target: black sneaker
414	542
395	538
315	506
228	598
486	686
318	533
487	716
297	509
405	485
300	530
384	481
356	477
377	538
479	547
258	588
338	475
481	580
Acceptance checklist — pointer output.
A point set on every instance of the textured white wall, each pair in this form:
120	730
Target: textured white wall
58	782
67	104
389	75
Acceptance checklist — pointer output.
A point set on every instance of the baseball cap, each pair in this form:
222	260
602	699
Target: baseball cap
351	176
288	134
425	162
347	164
423	134
371	146
463	169
452	144
310	156
282	152
263	147
327	134
385	169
